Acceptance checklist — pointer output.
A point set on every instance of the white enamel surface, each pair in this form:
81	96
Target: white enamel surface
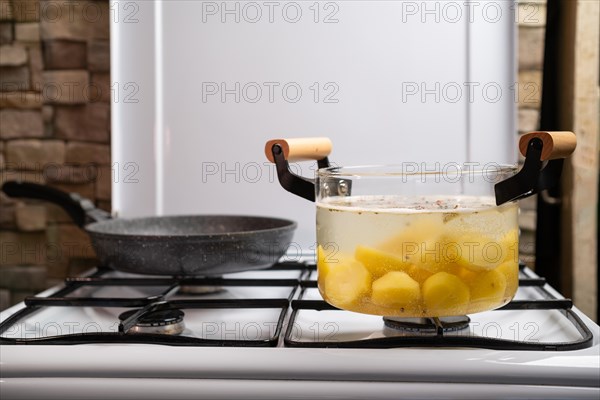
395	365
85	389
572	374
204	154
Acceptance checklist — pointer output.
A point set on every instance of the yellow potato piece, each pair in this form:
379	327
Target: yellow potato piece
346	282
321	256
379	262
420	244
510	270
466	275
429	256
488	222
326	260
473	251
445	294
396	289
419	273
323	265
329	257
488	287
509	243
408	243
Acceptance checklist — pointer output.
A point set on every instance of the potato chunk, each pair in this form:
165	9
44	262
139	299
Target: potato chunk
509	243
418	273
396	289
488	287
445	294
346	282
473	251
488	222
379	262
323	264
510	270
409	243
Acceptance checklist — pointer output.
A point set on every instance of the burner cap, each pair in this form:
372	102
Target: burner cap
166	321
428	325
200	289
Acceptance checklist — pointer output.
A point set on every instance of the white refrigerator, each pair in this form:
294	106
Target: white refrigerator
200	86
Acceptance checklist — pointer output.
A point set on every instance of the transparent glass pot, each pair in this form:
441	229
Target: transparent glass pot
399	241
417	240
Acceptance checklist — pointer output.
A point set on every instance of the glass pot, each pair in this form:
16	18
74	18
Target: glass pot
419	240
415	244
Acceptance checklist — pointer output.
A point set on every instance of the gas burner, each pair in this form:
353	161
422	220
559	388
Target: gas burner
428	325
199	289
166	321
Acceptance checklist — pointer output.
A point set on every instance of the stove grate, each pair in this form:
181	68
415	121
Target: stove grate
66	297
439	338
152	303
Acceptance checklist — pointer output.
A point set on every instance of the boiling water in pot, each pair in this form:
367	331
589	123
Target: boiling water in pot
417	256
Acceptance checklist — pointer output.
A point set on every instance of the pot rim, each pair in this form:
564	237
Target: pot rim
403	170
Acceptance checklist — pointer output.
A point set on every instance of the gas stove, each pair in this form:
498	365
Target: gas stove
269	334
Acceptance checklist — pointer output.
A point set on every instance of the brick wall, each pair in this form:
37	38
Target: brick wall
54	129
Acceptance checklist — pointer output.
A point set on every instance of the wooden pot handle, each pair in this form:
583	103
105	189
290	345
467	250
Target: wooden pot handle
556	144
300	149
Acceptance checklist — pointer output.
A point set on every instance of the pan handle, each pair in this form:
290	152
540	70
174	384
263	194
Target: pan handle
79	208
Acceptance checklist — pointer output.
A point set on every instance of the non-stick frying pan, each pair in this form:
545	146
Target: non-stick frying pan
200	245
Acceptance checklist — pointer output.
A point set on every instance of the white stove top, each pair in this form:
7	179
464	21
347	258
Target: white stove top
295	363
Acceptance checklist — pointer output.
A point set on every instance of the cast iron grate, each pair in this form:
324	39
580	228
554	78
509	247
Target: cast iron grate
151	303
65	298
440	338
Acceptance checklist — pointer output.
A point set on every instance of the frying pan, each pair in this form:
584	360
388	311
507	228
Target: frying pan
200	245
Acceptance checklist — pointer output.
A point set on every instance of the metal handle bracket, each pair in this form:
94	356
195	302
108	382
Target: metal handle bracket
298	185
533	177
